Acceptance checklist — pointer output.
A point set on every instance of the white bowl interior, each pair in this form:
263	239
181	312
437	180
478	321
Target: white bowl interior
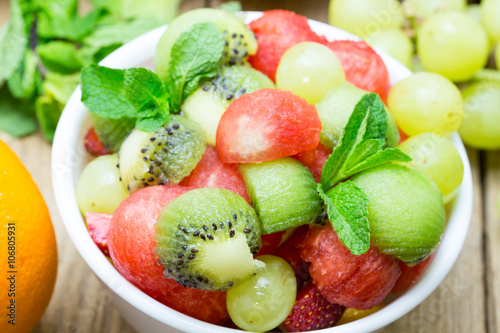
147	315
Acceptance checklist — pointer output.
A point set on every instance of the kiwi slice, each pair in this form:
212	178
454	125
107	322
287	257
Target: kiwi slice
112	132
207	104
335	109
240	41
283	193
164	156
206	239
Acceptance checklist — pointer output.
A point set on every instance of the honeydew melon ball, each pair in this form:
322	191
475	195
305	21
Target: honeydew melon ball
405	211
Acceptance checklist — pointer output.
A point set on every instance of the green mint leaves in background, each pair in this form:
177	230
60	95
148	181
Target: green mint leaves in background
55	46
361	147
140	93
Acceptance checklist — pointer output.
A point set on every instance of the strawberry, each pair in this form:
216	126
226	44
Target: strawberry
291	254
312	311
93	144
98	226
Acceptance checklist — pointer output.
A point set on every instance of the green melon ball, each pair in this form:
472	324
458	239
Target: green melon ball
405	211
335	109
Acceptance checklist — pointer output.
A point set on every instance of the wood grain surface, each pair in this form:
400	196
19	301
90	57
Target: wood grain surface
467	301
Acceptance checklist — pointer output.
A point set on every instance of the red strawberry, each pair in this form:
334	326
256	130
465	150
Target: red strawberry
363	67
277	31
291	254
93	144
312	311
98	225
411	274
355	281
211	172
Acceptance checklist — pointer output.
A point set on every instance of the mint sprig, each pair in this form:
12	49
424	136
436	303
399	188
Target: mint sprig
347	208
361	147
195	55
140	94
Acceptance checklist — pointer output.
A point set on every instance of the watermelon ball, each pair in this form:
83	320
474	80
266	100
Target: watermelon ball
266	125
131	247
277	31
354	281
405	211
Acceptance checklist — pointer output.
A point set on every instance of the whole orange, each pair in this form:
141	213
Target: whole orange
28	252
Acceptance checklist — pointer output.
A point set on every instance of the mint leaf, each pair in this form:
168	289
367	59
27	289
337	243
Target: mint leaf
347	208
13	42
147	93
361	145
60	87
354	133
104	93
25	79
389	155
48	112
164	10
195	55
17	117
59	56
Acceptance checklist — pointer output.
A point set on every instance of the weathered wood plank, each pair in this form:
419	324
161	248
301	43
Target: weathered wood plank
458	304
492	239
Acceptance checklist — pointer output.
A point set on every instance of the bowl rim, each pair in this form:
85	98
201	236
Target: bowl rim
68	155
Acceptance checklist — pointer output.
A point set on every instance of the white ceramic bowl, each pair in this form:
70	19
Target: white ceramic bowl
147	315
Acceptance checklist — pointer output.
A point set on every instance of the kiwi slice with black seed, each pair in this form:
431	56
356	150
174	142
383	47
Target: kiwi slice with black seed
164	156
240	42
283	193
206	239
207	104
112	132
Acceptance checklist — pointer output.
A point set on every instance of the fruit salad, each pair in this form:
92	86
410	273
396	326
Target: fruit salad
258	178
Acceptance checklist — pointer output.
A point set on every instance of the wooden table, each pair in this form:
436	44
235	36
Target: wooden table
467	301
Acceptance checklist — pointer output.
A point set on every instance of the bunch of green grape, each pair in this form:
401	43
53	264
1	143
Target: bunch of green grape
445	37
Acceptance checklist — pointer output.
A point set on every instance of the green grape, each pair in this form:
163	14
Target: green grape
474	12
453	45
421	10
481	125
309	70
426	102
263	301
99	188
490	13
363	17
395	42
437	158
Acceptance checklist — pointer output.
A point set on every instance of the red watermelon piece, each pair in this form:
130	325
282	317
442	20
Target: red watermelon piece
92	143
354	281
362	66
211	172
98	226
315	159
131	246
411	274
265	125
277	31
